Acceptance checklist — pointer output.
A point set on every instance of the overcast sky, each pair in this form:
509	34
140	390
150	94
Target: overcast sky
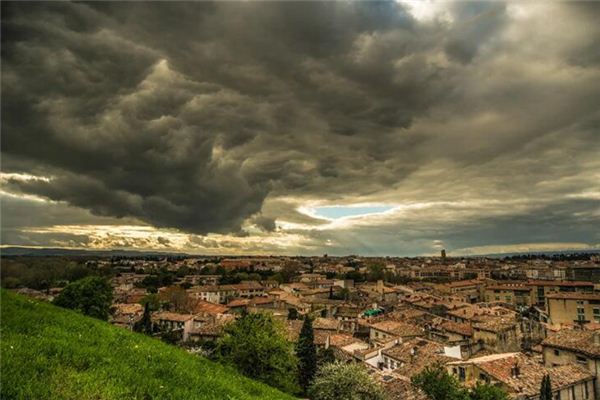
374	128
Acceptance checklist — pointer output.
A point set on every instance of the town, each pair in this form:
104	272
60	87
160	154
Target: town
508	322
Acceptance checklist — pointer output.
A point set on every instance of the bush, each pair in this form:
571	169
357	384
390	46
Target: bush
256	345
344	381
91	296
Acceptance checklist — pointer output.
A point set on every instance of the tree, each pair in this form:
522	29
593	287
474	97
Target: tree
487	392
344	381
177	298
546	388
144	325
437	384
375	272
257	347
307	354
152	300
325	356
91	296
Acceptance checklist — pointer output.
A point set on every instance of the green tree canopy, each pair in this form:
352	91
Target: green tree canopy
256	346
307	354
437	384
344	381
144	325
487	392
92	296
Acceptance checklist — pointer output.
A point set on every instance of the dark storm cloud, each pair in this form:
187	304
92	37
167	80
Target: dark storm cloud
201	116
131	105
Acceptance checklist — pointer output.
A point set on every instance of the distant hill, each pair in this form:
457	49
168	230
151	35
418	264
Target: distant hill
57	251
52	353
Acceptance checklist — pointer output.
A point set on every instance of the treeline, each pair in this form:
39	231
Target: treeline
553	257
42	273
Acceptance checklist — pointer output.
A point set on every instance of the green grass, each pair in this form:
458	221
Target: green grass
51	353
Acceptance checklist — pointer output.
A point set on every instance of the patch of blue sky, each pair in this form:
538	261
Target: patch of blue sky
337	212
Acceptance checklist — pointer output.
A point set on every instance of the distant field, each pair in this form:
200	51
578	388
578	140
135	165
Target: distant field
51	353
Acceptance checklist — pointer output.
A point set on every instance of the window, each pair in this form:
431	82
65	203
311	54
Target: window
462	374
556	352
557	395
586	394
581	360
596	311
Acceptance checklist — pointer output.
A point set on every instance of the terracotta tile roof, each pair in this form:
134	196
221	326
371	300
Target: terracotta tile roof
212	327
463	283
415	355
171	316
493	323
531	372
326	323
204	307
126	308
464	329
397	328
400	389
575	340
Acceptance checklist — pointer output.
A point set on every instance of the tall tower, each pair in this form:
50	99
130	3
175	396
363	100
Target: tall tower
443	254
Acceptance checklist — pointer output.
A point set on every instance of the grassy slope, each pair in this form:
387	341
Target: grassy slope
51	353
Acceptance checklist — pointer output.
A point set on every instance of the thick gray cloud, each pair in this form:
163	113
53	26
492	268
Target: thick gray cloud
204	117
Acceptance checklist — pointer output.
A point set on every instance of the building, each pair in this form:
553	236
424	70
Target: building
544	288
169	321
574	347
570	308
515	294
387	330
521	376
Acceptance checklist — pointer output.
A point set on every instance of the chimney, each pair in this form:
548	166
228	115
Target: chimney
515	371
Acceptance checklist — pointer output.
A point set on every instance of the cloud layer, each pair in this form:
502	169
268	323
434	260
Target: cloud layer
216	122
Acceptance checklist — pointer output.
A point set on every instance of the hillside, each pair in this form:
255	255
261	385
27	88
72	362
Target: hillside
51	353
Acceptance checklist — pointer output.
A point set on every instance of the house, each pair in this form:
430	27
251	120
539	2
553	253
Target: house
126	315
569	346
387	330
521	376
209	328
169	321
569	308
221	294
413	356
544	288
497	333
515	294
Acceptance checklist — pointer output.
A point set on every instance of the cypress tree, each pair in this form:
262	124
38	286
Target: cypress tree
307	354
145	324
546	388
